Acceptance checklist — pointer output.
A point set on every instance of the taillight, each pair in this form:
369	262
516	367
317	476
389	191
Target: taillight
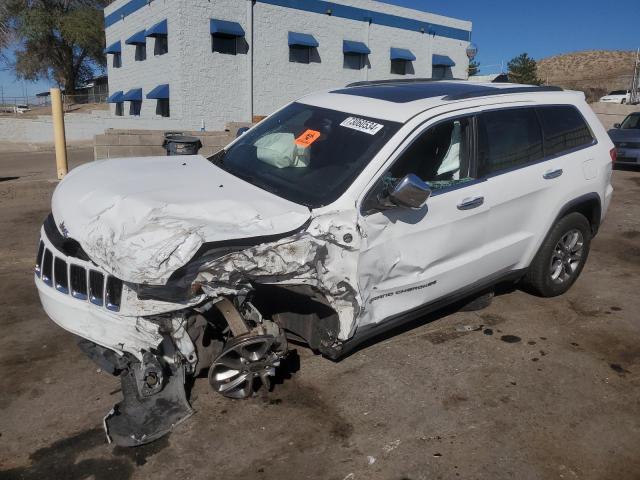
614	155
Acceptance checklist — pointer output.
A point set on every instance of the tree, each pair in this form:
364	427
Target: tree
59	40
474	68
524	69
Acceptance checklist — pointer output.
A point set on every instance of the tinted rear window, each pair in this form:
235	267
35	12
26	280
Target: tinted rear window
564	129
508	139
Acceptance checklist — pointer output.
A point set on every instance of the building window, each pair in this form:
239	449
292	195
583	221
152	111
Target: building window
134	108
225	45
354	61
162	107
161	45
440	72
117	60
299	54
119	109
399	67
141	52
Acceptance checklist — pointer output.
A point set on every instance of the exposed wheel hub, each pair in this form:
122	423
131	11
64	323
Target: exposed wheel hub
244	365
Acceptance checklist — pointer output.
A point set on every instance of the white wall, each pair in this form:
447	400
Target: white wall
215	88
153	71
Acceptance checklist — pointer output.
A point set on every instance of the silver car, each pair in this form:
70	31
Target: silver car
626	137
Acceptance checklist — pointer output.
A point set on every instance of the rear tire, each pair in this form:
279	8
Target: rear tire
561	257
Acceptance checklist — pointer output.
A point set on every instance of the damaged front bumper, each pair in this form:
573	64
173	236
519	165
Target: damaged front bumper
151	355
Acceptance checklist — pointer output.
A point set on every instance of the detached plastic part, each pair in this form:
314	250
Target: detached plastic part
138	420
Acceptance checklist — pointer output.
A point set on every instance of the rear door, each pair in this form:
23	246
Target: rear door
531	158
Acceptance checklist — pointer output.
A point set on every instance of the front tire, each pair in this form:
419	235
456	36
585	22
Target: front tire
561	257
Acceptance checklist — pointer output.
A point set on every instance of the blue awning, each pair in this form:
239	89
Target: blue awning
161	92
133	95
442	61
137	38
117	97
223	28
358	48
402	54
114	48
302	40
158	30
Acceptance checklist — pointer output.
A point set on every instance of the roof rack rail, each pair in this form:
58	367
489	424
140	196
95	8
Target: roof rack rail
485	92
367	83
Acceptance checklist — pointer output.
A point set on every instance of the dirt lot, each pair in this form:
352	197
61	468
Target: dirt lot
544	388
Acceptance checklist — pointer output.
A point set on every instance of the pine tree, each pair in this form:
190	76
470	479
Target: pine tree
524	69
474	68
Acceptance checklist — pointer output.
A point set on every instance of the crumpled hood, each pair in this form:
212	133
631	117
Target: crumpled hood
142	218
624	135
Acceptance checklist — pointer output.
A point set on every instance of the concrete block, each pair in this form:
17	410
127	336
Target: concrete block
101	140
100	152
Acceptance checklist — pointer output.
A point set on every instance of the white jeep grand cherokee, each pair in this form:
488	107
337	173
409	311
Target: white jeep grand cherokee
336	218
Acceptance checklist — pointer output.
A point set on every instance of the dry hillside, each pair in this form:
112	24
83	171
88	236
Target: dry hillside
595	72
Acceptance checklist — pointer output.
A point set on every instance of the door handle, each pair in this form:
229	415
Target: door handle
549	174
469	203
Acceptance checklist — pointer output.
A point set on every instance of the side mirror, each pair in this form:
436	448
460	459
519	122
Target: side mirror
617	125
241	131
410	192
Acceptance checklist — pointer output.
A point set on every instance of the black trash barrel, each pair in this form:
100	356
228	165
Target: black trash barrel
178	144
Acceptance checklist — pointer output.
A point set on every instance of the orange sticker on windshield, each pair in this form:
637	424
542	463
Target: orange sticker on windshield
307	138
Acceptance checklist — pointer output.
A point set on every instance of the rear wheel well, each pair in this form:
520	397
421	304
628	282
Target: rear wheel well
589	206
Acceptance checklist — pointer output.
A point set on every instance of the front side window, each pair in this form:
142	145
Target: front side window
508	139
563	128
631	122
441	156
308	155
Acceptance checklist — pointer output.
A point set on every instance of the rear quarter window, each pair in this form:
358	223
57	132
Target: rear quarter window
563	129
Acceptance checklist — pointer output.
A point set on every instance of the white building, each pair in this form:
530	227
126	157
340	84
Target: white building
181	64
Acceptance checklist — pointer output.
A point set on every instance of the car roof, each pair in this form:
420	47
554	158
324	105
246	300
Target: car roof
398	100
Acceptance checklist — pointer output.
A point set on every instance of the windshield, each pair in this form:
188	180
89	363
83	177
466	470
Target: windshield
631	122
308	155
618	92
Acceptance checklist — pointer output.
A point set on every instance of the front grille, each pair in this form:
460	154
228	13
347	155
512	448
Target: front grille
39	258
61	275
47	268
113	293
96	288
80	282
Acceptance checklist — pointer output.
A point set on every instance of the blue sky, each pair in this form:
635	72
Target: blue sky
503	29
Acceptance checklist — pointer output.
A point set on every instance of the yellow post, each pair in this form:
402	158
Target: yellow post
58	133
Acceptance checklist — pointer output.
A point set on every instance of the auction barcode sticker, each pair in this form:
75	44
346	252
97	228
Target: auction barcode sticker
362	125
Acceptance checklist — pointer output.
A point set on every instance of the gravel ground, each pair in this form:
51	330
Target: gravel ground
539	388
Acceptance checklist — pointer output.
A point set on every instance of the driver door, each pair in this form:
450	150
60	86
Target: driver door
410	257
